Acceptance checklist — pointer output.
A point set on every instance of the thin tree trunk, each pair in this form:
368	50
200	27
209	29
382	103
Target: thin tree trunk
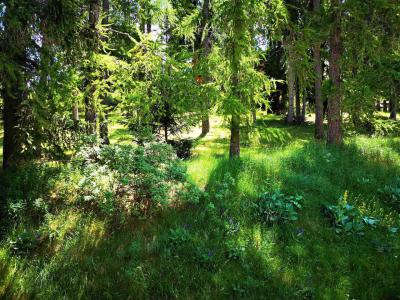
319	105
234	149
298	101
334	103
304	106
254	112
90	107
205	44
104	115
385	106
393	108
75	115
291	87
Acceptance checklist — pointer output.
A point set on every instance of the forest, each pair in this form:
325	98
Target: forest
200	149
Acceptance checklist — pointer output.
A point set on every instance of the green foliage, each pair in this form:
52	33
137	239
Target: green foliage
347	218
128	178
276	207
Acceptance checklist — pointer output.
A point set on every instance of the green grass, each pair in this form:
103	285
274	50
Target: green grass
186	251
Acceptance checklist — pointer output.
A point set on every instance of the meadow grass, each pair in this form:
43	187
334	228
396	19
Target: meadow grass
218	248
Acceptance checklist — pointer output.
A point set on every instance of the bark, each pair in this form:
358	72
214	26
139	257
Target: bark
254	112
90	107
291	87
104	116
319	105
104	129
298	101
234	149
385	106
304	106
334	103
393	109
203	44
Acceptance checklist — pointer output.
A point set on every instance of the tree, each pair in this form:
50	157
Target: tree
319	106
334	103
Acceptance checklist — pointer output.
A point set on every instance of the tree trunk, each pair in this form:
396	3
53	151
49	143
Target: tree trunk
334	117
104	129
385	106
234	149
319	105
304	106
205	46
90	107
75	115
254	112
378	105
292	88
393	108
205	125
104	115
298	101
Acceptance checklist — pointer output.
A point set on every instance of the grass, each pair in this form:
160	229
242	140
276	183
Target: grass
218	249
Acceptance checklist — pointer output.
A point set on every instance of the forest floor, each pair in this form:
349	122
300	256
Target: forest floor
184	253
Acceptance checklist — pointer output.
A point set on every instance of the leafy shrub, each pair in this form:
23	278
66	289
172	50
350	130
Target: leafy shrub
346	218
276	207
129	178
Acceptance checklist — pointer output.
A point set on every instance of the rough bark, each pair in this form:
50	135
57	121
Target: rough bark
291	87
90	107
319	105
334	102
234	148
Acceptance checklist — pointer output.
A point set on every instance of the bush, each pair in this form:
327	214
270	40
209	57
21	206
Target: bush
134	179
276	207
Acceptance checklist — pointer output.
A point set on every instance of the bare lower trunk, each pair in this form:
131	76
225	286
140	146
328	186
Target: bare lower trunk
385	106
205	125
90	115
166	133
254	112
334	118
234	149
292	89
75	115
104	130
378	106
298	101
393	109
319	105
304	106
